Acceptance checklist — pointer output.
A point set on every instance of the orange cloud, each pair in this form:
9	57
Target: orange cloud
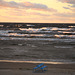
27	5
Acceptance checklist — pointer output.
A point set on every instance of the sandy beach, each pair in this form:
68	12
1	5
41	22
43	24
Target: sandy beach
14	56
25	68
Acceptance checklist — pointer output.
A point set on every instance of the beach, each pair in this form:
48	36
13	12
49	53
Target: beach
25	68
22	48
19	57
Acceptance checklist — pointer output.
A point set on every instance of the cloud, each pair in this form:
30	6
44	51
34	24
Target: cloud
66	7
69	1
73	9
25	5
73	5
70	15
40	14
25	13
10	4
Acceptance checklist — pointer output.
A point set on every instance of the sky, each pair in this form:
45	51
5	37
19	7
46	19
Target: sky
37	11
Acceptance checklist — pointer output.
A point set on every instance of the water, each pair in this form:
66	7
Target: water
43	32
53	43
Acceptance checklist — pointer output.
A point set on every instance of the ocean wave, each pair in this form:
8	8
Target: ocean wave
38	33
65	36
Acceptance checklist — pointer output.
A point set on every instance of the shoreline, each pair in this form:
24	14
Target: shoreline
26	68
46	62
6	64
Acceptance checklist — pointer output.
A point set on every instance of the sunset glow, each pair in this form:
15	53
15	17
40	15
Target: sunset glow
37	11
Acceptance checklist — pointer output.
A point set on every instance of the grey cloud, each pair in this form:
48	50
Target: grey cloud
69	1
66	7
27	5
73	5
8	4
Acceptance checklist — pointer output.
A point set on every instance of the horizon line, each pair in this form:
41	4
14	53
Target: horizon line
37	23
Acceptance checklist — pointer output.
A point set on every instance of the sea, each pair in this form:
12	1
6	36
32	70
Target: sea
54	32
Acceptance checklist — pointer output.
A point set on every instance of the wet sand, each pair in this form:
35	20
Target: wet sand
25	68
